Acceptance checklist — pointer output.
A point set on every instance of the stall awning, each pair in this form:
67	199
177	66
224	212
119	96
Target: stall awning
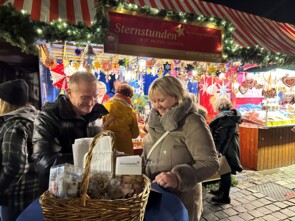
48	10
250	30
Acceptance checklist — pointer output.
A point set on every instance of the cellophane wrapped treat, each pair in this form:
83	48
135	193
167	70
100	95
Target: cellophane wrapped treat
65	180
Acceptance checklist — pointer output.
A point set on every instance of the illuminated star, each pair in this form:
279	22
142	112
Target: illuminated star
203	87
180	32
223	89
89	60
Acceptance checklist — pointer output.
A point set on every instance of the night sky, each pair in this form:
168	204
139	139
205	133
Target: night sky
278	10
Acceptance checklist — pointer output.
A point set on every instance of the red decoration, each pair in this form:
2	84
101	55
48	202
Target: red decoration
59	78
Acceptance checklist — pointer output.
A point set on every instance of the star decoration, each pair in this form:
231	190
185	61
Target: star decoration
203	87
180	31
223	89
89	60
167	66
189	68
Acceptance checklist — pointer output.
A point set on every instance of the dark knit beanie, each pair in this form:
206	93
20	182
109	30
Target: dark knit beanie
15	92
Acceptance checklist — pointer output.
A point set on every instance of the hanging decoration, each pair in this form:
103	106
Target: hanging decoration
76	65
223	90
78	51
106	66
167	66
97	65
59	78
65	59
189	67
46	57
288	81
243	90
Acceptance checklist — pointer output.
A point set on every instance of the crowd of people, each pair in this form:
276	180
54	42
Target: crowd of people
180	150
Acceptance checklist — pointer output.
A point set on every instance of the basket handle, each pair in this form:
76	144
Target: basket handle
85	180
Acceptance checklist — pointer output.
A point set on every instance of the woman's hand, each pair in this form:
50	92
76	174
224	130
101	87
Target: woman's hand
167	180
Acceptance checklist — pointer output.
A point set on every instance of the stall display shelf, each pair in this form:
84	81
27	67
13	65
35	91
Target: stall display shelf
268	117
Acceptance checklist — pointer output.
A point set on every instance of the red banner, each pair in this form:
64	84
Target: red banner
152	37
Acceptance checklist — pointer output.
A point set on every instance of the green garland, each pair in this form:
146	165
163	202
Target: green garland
18	29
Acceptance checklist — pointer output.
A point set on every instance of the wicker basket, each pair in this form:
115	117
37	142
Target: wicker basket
84	208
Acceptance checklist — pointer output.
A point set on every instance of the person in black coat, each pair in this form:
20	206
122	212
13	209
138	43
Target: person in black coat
58	124
224	128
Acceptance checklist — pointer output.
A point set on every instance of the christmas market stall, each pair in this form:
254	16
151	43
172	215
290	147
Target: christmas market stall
266	101
205	45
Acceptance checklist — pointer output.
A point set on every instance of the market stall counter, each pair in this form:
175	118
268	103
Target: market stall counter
267	148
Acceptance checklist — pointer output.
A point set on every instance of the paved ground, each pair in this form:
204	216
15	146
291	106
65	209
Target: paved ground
259	196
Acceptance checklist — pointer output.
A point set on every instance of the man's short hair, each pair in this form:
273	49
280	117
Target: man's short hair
81	76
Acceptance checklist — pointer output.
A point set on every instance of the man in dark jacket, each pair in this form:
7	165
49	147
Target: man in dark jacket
70	117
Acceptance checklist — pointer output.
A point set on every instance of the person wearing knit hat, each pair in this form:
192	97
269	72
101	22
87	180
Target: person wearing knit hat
122	119
18	180
15	92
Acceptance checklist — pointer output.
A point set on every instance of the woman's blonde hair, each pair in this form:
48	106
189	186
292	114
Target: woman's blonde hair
102	85
169	86
221	104
6	107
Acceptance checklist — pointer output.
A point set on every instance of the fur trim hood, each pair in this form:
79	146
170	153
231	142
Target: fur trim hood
171	120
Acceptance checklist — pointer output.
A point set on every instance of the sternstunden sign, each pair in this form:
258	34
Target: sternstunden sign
138	35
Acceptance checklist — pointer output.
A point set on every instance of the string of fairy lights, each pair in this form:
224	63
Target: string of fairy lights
17	28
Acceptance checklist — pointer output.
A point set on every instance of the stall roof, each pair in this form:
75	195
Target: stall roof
250	30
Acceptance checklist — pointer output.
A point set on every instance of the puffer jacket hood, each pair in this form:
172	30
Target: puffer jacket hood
232	116
27	112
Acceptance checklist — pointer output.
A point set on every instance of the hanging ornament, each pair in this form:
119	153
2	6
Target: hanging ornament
288	81
217	73
161	72
65	59
182	64
202	71
211	70
50	62
177	62
121	62
59	78
204	86
115	65
149	63
78	51
97	65
76	65
189	68
223	89
167	66
106	66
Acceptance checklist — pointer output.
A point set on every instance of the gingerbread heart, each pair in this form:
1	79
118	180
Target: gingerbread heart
242	89
288	81
289	98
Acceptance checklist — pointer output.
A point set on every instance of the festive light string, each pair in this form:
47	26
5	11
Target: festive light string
18	29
